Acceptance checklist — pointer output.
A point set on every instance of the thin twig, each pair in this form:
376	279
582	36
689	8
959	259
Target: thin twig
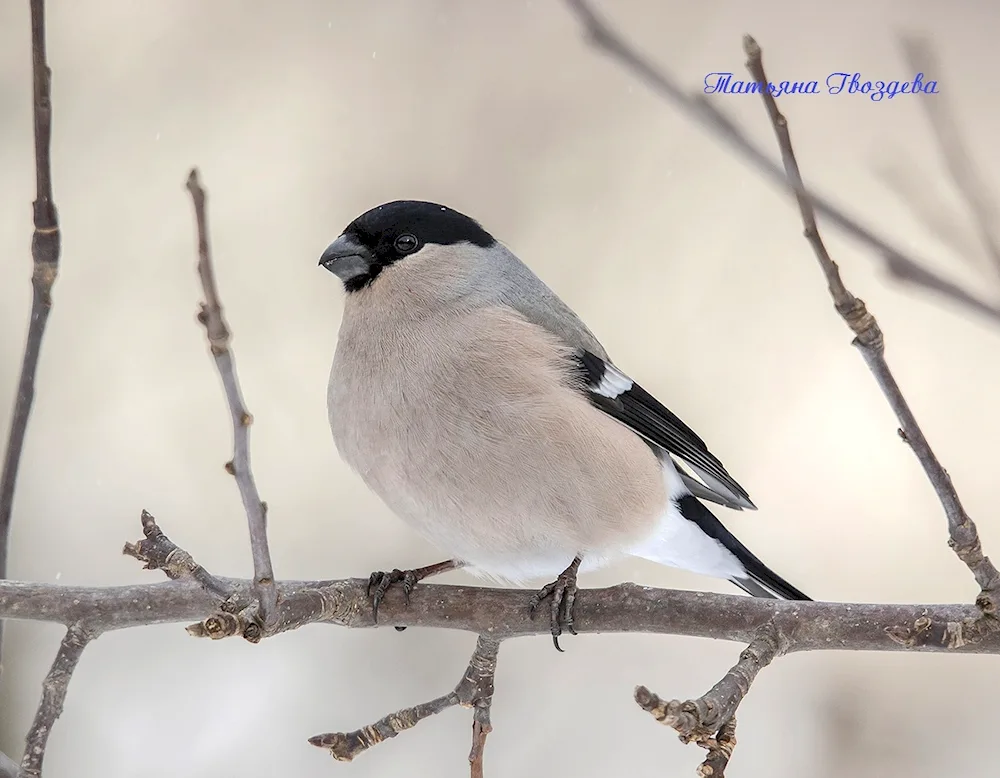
218	338
345	746
957	159
902	266
161	553
53	696
45	244
720	751
964	537
475	690
709	721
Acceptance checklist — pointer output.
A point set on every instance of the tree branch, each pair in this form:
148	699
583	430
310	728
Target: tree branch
963	535
53	696
710	720
161	553
503	613
475	690
218	338
45	245
901	265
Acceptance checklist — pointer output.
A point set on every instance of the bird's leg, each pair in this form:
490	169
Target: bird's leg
379	582
563	596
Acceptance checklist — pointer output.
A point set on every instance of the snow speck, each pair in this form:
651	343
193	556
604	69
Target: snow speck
157	136
58	576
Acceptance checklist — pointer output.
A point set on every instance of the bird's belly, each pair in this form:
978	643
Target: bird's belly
516	500
491	457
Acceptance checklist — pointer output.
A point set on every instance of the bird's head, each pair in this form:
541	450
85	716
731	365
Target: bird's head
392	233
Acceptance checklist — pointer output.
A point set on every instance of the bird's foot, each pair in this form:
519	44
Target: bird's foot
561	594
380	582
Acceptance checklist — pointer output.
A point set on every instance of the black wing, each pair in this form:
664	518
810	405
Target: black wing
609	389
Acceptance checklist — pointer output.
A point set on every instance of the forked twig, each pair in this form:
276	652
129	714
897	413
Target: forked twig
475	691
710	720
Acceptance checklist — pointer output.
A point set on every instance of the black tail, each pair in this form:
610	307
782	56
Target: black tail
762	581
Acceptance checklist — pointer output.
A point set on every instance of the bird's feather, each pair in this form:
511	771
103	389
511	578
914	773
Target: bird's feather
615	393
760	580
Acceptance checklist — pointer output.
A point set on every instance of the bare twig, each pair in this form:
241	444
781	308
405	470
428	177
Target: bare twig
53	696
901	265
475	690
709	721
45	244
160	553
720	751
957	159
964	537
218	338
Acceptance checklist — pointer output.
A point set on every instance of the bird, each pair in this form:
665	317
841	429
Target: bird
484	413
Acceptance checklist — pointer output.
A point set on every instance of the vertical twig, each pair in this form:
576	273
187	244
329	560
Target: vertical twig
218	338
53	696
476	690
45	266
962	532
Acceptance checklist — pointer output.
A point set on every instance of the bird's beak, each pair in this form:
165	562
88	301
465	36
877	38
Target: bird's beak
347	259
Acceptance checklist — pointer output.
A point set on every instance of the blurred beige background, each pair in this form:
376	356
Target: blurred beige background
301	115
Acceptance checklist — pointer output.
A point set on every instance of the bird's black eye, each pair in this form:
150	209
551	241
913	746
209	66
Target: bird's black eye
405	243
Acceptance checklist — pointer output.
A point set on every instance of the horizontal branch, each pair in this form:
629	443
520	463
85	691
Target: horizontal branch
503	613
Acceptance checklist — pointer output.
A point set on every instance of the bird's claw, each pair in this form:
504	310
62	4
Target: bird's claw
379	583
561	594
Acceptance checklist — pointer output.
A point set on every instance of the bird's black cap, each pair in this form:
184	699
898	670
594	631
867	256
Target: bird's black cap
391	231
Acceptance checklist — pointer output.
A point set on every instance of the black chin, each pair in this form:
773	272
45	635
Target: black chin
362	280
